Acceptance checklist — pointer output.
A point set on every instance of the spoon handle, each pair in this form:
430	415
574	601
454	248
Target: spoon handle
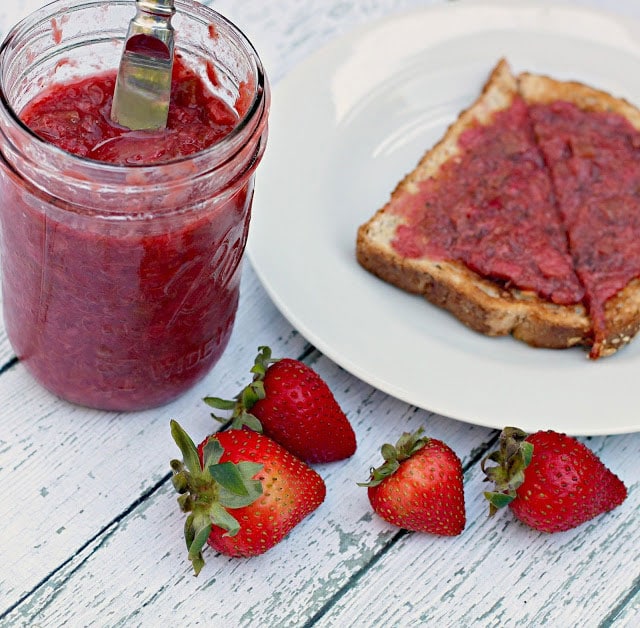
143	86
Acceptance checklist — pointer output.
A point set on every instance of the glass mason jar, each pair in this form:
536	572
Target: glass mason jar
120	283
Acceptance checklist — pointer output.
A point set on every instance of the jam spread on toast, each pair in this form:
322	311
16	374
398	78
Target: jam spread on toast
493	208
594	160
546	198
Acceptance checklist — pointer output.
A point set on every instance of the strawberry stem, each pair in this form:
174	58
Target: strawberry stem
512	458
242	403
208	490
407	445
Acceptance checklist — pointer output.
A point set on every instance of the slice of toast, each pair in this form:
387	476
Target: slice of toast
492	305
597	195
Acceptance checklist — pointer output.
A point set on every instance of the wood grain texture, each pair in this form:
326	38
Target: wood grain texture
287	586
92	535
287	31
69	472
501	572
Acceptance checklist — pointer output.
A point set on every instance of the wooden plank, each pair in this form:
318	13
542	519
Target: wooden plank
288	585
92	534
499	572
628	615
7	355
287	31
67	471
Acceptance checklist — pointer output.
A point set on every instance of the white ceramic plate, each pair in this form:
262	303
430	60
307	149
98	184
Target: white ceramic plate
346	125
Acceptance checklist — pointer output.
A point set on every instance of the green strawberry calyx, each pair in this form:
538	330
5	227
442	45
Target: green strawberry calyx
208	491
242	403
408	444
512	458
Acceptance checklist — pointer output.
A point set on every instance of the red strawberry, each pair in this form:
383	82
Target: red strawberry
419	486
290	403
550	481
244	493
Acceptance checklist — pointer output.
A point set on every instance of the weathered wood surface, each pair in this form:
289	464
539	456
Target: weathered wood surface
92	534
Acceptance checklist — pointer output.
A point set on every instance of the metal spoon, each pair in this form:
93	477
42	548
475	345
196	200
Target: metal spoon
143	86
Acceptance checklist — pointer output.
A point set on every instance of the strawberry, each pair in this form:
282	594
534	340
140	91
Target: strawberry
419	486
243	491
291	403
550	481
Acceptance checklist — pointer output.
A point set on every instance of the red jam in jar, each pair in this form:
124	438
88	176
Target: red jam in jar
121	250
75	116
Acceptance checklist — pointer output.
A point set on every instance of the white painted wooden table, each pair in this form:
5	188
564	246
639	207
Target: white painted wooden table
91	534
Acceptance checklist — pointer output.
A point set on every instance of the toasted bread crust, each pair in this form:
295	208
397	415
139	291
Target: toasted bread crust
479	303
543	90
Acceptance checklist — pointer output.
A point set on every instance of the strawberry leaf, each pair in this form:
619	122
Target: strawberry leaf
233	500
253	488
195	549
262	362
252	394
180	482
200	538
246	419
229	477
249	469
220	404
389	452
498	500
189	531
526	449
185	501
240	406
377	476
408	444
508	474
223	519
207	491
196	533
187	447
236	486
212	453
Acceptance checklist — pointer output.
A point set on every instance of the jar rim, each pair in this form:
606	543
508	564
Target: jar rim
215	153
